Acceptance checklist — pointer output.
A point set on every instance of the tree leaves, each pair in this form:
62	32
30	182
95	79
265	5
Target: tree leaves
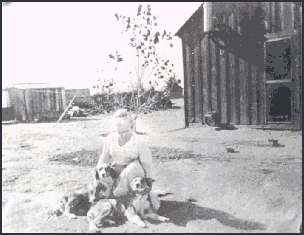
156	40
149	10
118	57
143	38
117	17
139	10
128	24
164	34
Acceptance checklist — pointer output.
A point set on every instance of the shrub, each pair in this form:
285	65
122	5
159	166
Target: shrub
108	102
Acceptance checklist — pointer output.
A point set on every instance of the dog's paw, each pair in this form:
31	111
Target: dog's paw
164	219
71	216
142	224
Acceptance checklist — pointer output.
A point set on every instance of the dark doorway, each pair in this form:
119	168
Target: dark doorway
279	103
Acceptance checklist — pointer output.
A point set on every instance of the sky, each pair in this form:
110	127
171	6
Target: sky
66	43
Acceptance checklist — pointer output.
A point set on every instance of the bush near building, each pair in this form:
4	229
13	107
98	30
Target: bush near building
105	103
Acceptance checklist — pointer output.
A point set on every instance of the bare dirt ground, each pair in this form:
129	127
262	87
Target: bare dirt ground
256	189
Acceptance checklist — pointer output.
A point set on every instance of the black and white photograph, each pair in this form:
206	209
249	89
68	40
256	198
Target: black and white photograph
152	117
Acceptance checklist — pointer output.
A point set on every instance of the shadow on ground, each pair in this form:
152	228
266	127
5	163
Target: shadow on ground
90	157
180	213
79	158
222	126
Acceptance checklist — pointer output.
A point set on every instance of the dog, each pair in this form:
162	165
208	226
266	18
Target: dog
106	174
104	213
137	206
78	202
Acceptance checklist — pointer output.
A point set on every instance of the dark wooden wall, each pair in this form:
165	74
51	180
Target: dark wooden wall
37	103
218	80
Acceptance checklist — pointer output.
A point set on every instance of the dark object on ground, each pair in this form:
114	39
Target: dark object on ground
222	126
77	112
275	143
190	199
230	150
164	194
213	119
140	133
265	171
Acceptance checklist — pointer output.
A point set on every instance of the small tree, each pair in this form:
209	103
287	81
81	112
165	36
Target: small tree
143	39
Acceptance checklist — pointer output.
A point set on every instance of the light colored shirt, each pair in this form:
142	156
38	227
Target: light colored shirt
123	155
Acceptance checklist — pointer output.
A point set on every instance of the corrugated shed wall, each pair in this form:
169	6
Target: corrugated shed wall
218	80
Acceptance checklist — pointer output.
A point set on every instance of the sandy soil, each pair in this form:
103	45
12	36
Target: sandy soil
256	189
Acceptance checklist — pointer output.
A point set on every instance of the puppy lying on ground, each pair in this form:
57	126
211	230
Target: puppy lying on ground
137	207
78	202
104	213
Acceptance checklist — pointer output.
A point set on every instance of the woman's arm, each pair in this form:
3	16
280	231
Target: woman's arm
105	157
145	157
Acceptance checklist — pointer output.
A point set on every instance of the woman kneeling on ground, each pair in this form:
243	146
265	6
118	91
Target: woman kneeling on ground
132	156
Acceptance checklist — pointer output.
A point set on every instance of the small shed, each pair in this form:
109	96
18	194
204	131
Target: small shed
35	101
243	61
81	94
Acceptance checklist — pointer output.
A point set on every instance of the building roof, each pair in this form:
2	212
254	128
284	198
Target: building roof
32	86
198	13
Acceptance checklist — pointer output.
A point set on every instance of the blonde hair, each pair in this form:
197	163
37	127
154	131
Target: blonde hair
121	117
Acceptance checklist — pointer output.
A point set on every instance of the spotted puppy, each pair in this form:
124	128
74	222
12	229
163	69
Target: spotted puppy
78	202
106	174
139	205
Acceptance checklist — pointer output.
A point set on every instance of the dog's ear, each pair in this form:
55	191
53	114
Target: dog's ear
96	174
149	181
113	173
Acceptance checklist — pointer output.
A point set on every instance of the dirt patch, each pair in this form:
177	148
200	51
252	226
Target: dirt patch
212	190
79	158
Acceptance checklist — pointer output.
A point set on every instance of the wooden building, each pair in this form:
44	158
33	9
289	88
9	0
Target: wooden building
35	101
81	95
243	61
